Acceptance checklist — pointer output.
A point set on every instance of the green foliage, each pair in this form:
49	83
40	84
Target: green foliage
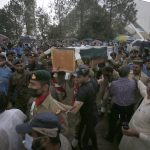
29	16
122	12
43	23
11	17
96	26
73	18
89	19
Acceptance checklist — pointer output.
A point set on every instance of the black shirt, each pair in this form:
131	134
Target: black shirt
87	94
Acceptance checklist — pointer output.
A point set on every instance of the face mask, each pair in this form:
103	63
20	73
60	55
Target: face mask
37	145
33	92
28	142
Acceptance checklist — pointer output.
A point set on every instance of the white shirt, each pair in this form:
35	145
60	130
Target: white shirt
141	123
65	145
9	138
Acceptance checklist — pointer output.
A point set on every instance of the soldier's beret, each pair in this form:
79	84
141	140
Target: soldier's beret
41	75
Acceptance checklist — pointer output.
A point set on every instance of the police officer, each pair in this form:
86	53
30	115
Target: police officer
43	133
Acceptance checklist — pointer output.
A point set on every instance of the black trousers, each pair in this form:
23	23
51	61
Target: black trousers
121	114
86	132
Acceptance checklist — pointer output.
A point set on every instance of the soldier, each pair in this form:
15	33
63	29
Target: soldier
18	89
58	85
33	63
39	86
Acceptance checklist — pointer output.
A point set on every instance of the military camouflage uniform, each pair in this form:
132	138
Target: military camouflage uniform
18	90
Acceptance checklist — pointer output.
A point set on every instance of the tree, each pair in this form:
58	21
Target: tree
96	26
122	12
43	23
108	19
29	16
11	19
62	9
15	12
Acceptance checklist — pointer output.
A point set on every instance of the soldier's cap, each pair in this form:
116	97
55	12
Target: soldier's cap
41	75
45	123
82	70
138	61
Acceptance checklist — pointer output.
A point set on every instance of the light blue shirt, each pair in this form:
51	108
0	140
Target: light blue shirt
5	74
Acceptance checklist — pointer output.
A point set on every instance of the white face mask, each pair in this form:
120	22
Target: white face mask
28	142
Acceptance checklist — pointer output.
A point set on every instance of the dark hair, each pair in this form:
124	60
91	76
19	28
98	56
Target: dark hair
108	69
3	102
113	54
138	63
124	71
10	53
27	49
2	56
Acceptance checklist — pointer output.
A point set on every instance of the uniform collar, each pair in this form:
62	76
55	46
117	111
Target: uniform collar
39	100
46	102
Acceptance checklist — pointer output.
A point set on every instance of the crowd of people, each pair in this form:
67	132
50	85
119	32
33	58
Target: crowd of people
40	106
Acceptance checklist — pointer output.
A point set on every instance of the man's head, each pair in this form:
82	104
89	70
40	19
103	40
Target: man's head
59	76
108	73
11	56
18	65
42	132
137	67
26	51
20	43
32	58
2	58
39	83
82	74
124	71
113	55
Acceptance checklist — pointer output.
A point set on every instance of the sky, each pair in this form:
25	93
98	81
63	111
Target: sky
41	3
